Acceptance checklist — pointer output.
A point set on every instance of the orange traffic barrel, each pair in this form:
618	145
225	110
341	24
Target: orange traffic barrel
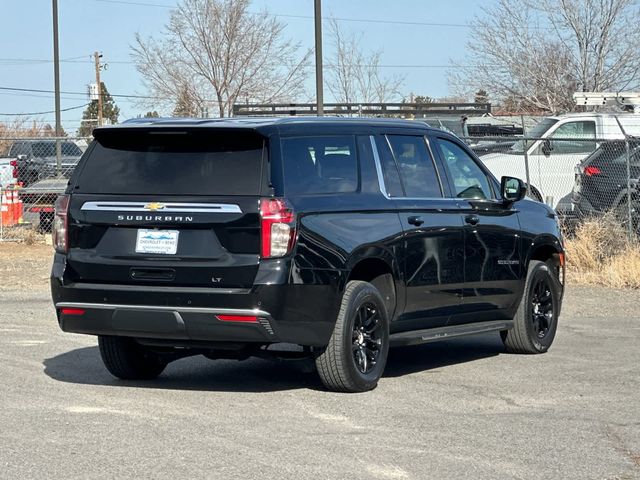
18	207
6	208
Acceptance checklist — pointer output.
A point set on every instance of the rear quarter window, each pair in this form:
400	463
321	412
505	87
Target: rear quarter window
320	164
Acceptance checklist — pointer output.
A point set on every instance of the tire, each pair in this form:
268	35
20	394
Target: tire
356	355
128	360
536	320
46	222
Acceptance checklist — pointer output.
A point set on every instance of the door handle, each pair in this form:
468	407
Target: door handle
415	220
472	219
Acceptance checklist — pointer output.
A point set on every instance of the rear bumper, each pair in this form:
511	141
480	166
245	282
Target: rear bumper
302	314
163	322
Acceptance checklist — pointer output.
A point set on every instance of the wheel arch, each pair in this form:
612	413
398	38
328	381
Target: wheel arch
381	270
546	249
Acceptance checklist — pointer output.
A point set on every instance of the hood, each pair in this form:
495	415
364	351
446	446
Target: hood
499	156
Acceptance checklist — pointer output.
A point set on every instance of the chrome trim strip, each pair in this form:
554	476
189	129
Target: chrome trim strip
170	207
376	160
435	164
156	308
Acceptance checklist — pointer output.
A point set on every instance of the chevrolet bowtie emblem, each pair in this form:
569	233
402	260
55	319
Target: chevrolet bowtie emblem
153	206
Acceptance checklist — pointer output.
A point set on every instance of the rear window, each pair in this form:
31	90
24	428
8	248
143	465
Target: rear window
323	164
614	153
173	163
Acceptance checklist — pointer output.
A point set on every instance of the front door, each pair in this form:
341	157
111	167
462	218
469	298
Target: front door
492	267
552	163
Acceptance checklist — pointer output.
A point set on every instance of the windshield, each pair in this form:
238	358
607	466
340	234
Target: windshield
48	149
536	132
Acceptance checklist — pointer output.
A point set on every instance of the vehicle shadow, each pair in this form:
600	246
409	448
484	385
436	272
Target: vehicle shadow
431	356
84	366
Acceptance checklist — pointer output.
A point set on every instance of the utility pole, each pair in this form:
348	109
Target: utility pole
56	76
96	57
319	90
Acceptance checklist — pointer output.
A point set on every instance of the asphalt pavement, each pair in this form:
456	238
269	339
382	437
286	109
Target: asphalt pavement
456	409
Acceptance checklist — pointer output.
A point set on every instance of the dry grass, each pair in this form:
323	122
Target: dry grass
26	234
599	253
24	267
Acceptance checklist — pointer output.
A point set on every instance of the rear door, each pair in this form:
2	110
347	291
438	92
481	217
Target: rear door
492	266
553	162
433	231
168	207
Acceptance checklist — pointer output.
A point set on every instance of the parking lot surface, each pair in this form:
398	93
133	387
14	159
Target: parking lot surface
456	409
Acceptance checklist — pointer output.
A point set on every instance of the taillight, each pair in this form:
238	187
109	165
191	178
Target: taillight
278	230
238	318
60	222
14	164
590	171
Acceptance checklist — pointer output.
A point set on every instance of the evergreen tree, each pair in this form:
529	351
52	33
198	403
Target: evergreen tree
185	104
110	113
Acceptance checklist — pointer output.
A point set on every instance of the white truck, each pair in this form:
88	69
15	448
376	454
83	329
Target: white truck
559	143
7	172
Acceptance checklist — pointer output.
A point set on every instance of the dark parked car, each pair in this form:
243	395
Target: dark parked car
36	160
601	180
339	237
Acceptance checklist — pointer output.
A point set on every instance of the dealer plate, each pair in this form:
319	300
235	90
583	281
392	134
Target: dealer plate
163	242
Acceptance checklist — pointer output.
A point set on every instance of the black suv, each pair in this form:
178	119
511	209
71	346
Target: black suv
343	237
36	160
601	180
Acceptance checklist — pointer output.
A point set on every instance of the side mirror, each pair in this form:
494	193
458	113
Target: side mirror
546	147
21	157
512	189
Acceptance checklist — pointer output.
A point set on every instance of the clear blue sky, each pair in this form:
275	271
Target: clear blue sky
89	25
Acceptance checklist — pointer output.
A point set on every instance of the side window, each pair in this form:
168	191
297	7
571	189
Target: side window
574	132
320	164
416	167
390	174
19	148
468	178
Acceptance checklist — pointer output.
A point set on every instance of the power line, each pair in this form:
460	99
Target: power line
37	90
307	17
328	65
41	113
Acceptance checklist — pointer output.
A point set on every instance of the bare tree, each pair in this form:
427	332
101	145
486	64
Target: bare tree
353	76
534	54
218	52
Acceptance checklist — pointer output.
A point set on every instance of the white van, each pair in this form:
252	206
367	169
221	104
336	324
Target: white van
551	159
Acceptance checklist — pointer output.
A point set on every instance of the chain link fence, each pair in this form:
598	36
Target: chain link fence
582	166
582	170
33	172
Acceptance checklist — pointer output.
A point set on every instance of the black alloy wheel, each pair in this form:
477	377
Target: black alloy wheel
542	307
366	338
